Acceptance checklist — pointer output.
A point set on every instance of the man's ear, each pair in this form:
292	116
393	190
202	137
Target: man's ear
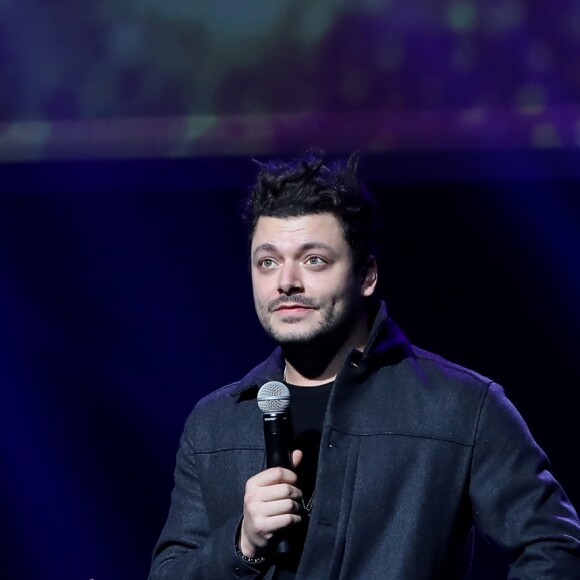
370	274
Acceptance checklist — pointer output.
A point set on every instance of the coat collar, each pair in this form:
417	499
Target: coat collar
386	344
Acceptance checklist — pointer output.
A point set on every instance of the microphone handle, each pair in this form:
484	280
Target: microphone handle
277	439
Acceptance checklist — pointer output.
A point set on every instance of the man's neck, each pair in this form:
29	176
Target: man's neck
310	366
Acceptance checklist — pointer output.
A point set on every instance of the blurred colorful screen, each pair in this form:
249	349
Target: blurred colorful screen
110	78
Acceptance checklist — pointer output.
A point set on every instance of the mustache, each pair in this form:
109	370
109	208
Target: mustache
301	300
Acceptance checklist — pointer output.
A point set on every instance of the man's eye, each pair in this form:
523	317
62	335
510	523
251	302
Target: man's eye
315	261
267	263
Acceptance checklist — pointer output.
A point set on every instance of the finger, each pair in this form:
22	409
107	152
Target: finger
273	476
277	492
296	458
266	527
283	521
279	507
272	493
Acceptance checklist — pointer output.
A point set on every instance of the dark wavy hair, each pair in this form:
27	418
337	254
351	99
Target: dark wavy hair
308	185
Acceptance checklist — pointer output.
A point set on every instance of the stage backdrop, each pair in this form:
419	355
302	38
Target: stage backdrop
125	297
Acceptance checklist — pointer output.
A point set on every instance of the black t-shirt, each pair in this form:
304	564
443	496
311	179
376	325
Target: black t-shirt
307	409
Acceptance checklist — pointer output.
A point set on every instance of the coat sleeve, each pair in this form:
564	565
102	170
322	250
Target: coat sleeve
517	503
188	549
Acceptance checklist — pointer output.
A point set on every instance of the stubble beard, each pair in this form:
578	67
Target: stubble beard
292	335
331	328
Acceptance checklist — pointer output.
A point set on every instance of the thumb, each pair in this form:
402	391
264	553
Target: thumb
296	458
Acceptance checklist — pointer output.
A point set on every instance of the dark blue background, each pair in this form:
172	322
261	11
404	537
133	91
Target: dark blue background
125	297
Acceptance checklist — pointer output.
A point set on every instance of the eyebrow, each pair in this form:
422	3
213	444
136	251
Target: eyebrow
267	247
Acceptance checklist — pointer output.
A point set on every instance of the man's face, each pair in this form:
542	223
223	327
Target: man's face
304	284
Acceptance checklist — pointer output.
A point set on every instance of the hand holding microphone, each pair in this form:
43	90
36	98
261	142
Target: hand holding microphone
272	501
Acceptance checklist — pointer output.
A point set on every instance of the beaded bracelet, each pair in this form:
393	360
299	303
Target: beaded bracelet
258	560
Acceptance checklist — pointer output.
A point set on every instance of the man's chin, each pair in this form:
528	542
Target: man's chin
294	336
289	339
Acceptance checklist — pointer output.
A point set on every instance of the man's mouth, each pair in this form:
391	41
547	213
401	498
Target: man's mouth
292	308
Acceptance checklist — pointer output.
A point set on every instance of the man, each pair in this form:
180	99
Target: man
398	454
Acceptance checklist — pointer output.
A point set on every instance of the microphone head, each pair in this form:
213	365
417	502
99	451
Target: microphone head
273	397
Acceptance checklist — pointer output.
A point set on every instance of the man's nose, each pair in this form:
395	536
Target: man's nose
290	281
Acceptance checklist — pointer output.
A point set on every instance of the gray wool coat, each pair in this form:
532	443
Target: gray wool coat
415	453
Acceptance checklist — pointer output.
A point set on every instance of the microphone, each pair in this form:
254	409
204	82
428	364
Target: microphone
274	402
